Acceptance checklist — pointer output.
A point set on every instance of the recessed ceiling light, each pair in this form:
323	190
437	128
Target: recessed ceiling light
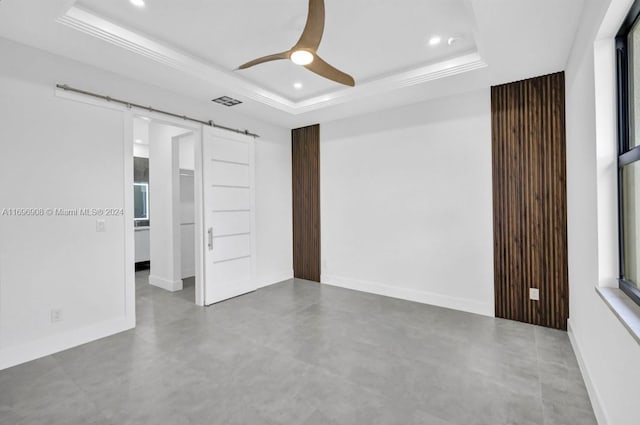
145	118
297	85
138	3
453	40
139	141
302	57
434	41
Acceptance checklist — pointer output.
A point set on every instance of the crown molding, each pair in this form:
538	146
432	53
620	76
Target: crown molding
105	30
424	74
96	26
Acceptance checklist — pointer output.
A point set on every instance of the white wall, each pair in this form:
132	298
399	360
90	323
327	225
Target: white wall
51	147
164	206
608	353
140	150
406	205
53	157
187	153
187	226
140	138
274	236
187	206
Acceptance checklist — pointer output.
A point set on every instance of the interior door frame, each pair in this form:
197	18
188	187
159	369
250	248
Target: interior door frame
199	241
199	238
200	206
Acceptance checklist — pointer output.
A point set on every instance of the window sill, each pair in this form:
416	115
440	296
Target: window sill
624	308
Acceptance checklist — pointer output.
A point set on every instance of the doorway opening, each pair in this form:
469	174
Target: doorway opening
164	188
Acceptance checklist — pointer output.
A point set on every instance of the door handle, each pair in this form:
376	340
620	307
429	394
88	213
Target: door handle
210	238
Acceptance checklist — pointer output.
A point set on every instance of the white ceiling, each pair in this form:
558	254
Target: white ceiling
365	38
193	47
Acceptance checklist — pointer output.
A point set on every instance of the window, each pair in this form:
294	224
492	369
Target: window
628	57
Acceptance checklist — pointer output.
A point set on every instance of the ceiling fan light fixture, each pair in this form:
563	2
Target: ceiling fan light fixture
302	57
304	52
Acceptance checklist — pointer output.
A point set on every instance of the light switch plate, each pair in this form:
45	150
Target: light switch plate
56	315
101	226
534	294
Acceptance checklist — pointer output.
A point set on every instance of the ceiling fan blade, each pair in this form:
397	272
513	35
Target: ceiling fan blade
314	28
277	56
322	68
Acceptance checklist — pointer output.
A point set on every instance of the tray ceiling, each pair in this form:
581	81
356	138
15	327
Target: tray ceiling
192	47
369	39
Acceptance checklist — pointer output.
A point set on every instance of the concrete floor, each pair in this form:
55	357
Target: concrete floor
302	353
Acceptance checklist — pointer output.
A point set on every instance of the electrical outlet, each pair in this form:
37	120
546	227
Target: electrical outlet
56	315
534	294
101	226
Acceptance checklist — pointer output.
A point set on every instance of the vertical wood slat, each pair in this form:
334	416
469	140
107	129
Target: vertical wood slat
305	156
529	200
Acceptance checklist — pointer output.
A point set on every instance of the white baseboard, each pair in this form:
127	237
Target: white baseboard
594	396
274	278
463	304
169	285
14	356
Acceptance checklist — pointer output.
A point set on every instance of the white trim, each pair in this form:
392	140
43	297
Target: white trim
52	344
129	233
169	285
96	26
198	189
624	308
252	214
594	395
447	68
175	241
462	304
274	278
605	94
110	32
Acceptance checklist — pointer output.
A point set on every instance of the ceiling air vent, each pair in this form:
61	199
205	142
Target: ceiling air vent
227	101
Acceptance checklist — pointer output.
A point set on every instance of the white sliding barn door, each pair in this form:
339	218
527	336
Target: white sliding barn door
229	216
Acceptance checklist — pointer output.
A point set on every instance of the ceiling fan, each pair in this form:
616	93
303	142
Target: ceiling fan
304	51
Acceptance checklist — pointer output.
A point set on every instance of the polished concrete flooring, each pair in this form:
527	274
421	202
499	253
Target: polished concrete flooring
302	353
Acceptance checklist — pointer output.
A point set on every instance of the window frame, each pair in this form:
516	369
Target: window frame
626	156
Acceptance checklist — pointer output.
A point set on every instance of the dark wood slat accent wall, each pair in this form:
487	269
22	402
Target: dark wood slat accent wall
529	200
305	154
